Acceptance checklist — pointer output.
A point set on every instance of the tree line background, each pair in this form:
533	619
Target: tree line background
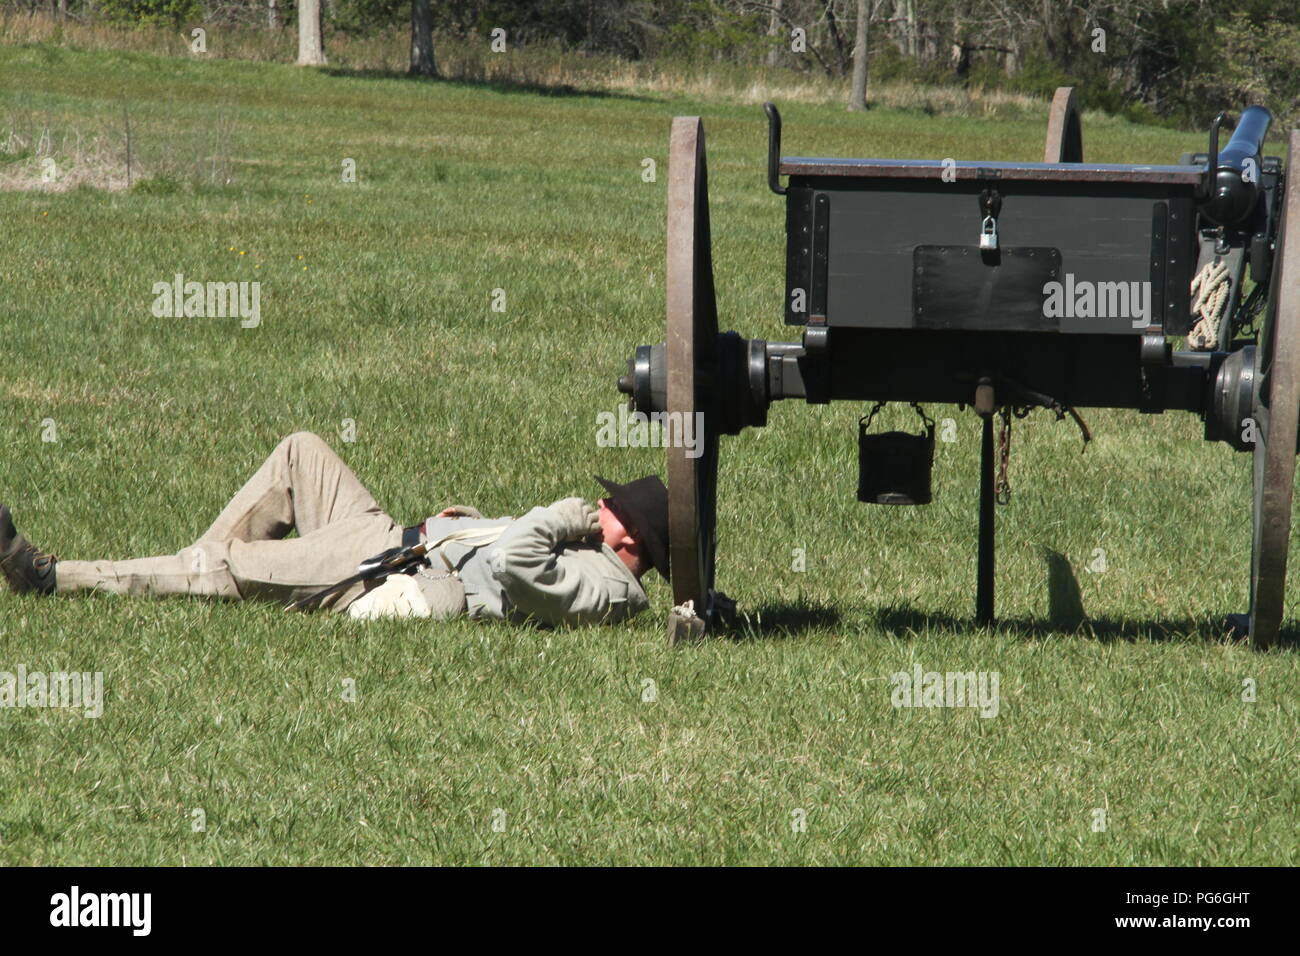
1175	61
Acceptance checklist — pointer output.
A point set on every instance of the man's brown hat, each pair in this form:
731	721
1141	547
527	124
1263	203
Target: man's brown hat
642	506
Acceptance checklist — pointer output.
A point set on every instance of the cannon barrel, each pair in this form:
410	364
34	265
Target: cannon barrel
1234	173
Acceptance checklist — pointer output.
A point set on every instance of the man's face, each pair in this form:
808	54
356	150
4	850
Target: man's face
616	535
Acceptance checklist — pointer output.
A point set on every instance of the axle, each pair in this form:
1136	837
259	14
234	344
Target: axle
741	378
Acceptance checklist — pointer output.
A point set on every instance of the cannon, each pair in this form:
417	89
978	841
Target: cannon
1000	287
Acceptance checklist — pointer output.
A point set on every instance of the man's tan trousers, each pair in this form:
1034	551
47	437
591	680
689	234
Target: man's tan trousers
302	486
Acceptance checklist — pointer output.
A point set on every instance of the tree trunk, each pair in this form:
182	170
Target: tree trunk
1058	32
422	61
841	59
773	30
960	54
897	26
311	52
858	96
273	14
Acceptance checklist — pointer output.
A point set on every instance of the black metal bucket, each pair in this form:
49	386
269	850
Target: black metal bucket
894	467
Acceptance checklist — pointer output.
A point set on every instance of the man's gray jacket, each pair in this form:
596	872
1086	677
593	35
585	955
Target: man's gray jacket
531	573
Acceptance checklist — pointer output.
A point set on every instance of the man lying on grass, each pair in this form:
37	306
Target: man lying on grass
567	563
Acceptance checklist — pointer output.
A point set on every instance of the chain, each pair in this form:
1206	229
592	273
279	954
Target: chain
1002	488
1243	321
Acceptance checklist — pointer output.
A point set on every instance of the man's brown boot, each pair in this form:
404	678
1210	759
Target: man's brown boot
27	568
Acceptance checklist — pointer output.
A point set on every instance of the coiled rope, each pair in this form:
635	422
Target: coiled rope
1210	291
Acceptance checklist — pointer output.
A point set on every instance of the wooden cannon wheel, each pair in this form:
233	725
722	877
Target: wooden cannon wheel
691	357
1064	129
1277	407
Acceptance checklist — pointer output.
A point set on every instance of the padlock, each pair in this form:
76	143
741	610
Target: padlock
989	235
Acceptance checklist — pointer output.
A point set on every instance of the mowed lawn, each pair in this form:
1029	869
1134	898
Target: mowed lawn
472	743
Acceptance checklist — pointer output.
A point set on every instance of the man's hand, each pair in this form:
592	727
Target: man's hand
459	511
580	520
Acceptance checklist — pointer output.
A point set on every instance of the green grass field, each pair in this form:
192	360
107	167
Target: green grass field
376	309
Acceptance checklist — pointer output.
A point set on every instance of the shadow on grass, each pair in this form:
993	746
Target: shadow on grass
781	619
496	86
901	621
1065	617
